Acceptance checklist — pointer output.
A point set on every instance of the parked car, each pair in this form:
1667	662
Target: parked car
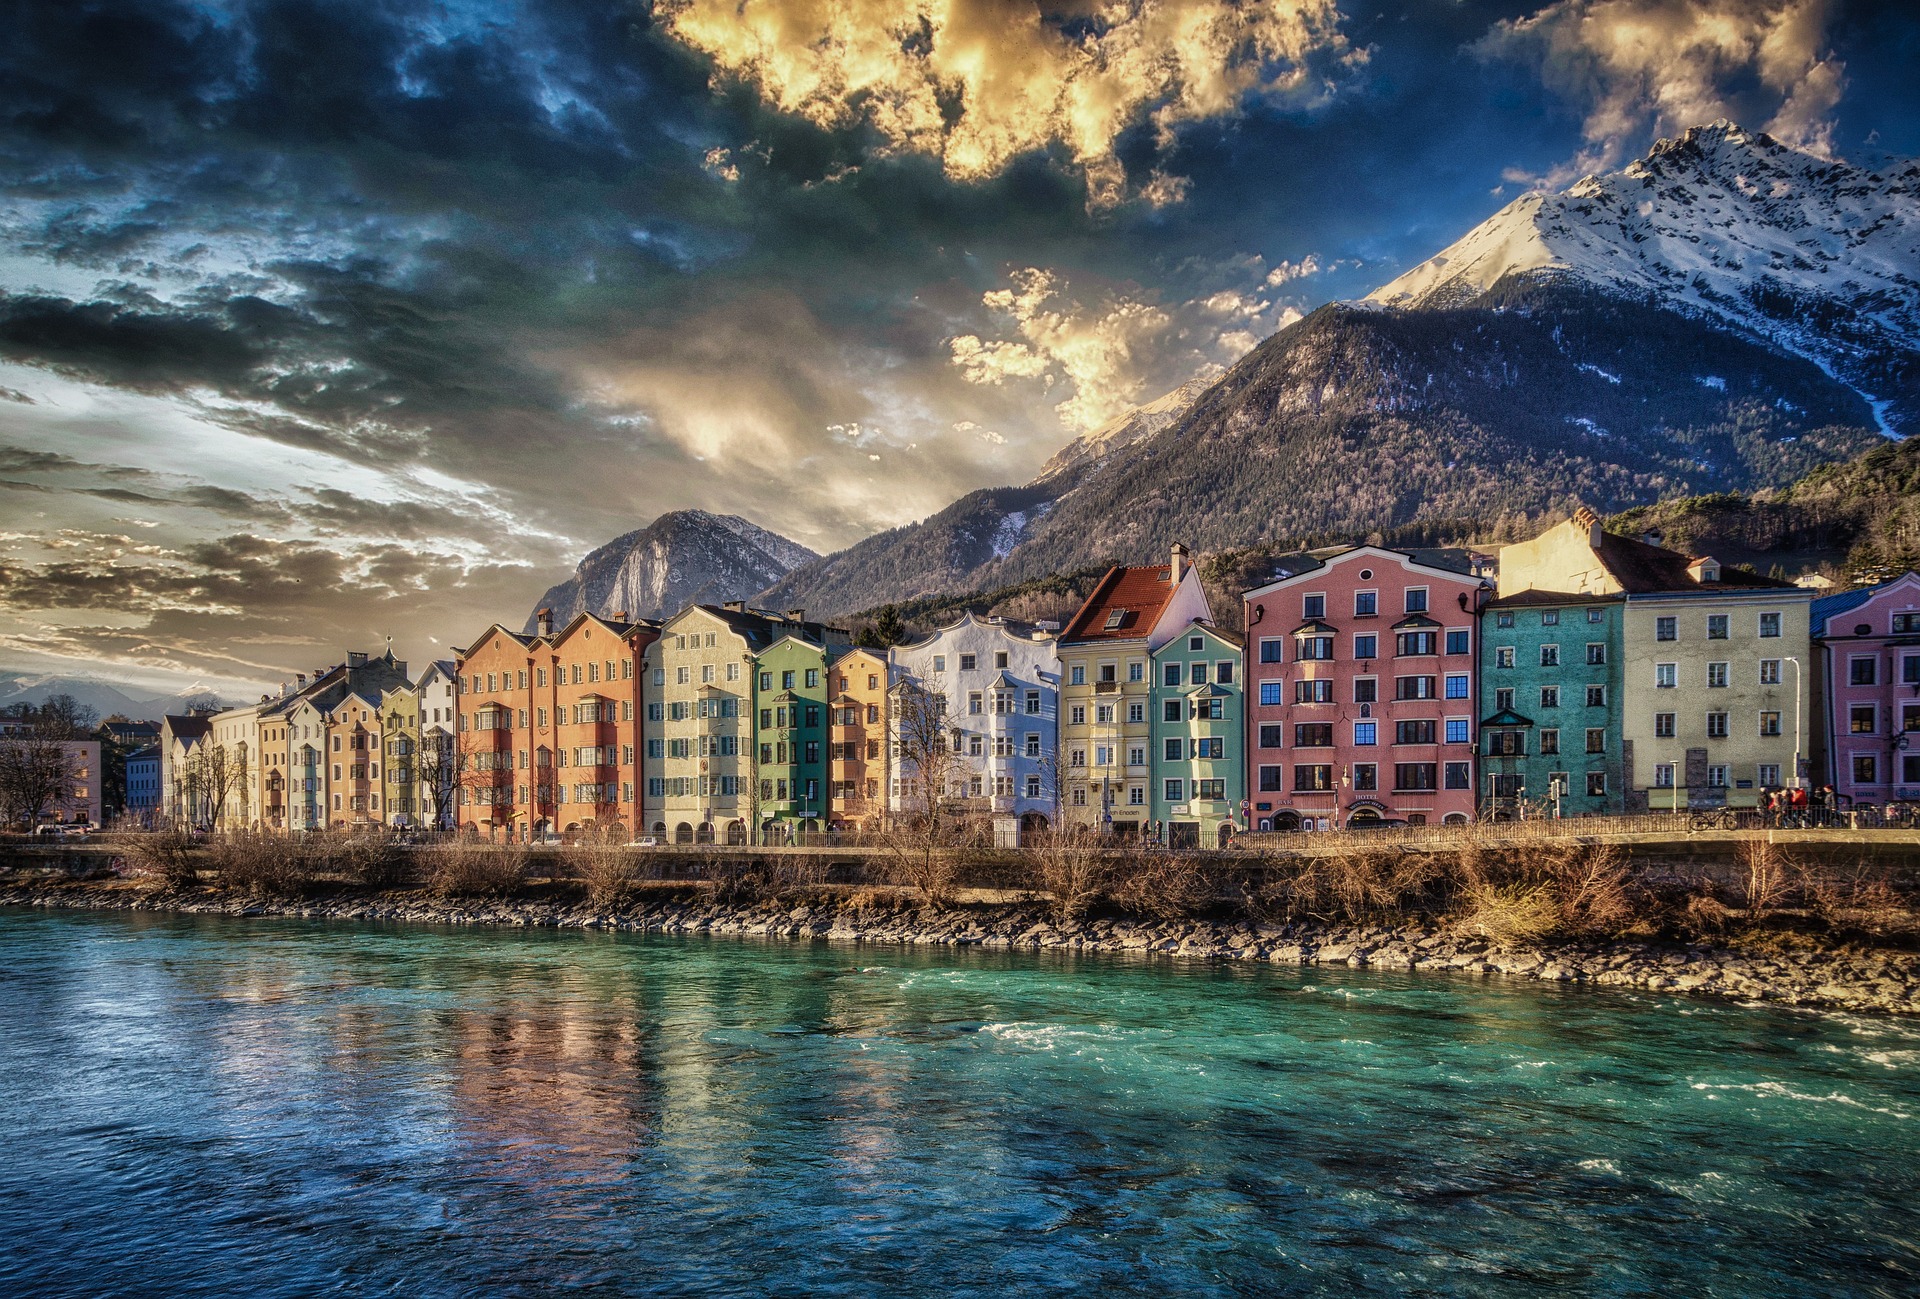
646	841
54	830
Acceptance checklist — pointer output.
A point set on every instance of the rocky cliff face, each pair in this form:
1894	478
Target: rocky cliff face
686	557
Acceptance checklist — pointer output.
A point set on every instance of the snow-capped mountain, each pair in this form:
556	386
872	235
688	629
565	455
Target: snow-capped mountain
107	698
684	557
1123	431
1818	257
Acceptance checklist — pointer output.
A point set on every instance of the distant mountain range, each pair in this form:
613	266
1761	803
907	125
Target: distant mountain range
105	698
1723	315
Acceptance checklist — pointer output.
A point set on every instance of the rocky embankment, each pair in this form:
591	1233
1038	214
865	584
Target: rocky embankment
1840	977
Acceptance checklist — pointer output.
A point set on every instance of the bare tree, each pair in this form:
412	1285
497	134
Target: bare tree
486	774
442	771
62	717
1075	868
35	773
934	825
214	774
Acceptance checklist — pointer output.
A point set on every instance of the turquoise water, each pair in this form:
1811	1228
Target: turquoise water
212	1106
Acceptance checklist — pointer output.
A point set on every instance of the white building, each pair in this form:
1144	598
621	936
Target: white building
1001	683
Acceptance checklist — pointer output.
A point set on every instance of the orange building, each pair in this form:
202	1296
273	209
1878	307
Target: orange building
353	756
585	733
857	755
491	756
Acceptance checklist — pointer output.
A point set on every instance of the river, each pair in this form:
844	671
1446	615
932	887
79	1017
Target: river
201	1105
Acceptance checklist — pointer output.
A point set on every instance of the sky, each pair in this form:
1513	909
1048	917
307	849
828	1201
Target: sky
325	322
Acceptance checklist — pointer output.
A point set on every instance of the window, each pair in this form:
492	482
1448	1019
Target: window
1170	711
1861	718
1503	619
1459	775
1269	779
1716	726
1414	776
1313	648
1313	606
1503	699
1270	692
1366	775
1416	599
1413	732
1174	791
1136	795
1364	732
1666	628
1170	674
1503	657
968	662
1136	712
1866	769
1210	790
1198	674
1459	685
1663	725
1666	676
1596	696
1366	604
1596	654
1103	714
1768	774
1366	647
1365	690
1862	671
1506	744
1457	731
1596	615
1033	705
1033	745
1313	777
1596	784
1717	776
1414	642
1271	651
1769	625
1769	672
1459	642
1550	741
1270	737
1549	617
1717	676
1663	775
1769	723
1313	692
1170	749
1549	696
1716	626
1596	739
1549	656
1413	687
1313	735
1210	748
1136	671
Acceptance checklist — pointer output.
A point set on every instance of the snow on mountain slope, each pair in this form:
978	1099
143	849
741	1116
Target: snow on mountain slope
1819	257
1125	430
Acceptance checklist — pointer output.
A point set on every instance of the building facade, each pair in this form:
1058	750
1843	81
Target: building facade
435	695
492	759
1363	692
1199	738
1550	665
400	792
859	759
586	727
1715	701
143	786
1867	657
355	743
1106	649
1001	684
790	729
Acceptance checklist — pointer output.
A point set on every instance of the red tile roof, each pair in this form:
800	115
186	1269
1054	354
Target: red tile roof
1138	593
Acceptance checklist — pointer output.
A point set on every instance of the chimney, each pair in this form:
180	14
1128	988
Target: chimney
300	679
1588	520
735	606
1652	537
795	615
620	615
356	659
1177	569
543	620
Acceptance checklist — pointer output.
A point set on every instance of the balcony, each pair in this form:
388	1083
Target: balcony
1106	687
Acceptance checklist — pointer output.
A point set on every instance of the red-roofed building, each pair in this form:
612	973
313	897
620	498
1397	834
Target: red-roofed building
1106	689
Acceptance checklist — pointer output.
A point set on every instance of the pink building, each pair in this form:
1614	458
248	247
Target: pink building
1362	693
1867	647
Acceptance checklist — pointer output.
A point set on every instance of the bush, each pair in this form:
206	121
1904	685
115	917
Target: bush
611	873
473	870
261	864
1165	885
167	853
1547	889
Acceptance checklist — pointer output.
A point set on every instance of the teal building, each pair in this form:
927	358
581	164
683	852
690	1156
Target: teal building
790	734
1551	675
1199	734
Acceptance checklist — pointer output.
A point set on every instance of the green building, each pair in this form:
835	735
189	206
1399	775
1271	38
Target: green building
790	733
1199	737
1550	671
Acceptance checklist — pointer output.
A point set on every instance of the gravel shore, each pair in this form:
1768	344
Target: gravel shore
1850	978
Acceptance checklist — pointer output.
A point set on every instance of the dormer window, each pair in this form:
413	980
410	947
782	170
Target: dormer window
1115	617
1705	569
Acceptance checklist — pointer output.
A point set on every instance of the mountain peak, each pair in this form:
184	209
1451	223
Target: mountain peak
1818	257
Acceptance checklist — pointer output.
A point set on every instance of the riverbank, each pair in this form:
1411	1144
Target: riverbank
1777	967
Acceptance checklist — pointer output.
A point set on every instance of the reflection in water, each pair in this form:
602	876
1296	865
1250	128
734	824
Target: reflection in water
205	1106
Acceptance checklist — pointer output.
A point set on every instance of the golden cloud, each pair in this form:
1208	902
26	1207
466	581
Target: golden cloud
976	83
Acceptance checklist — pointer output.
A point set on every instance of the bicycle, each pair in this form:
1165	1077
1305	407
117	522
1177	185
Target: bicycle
1716	818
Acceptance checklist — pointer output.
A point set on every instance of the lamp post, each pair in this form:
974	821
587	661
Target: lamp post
1797	682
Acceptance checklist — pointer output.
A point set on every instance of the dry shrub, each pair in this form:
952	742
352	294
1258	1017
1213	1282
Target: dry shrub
1703	915
374	860
1767	876
266	865
1164	885
1074	870
167	853
880	900
1545	889
1348	881
474	870
612	873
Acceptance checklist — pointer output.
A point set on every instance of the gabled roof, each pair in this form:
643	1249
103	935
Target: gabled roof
1507	717
1643	569
1416	621
1832	606
1012	628
1452	563
190	727
1315	627
1124	606
500	629
760	629
1211	690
